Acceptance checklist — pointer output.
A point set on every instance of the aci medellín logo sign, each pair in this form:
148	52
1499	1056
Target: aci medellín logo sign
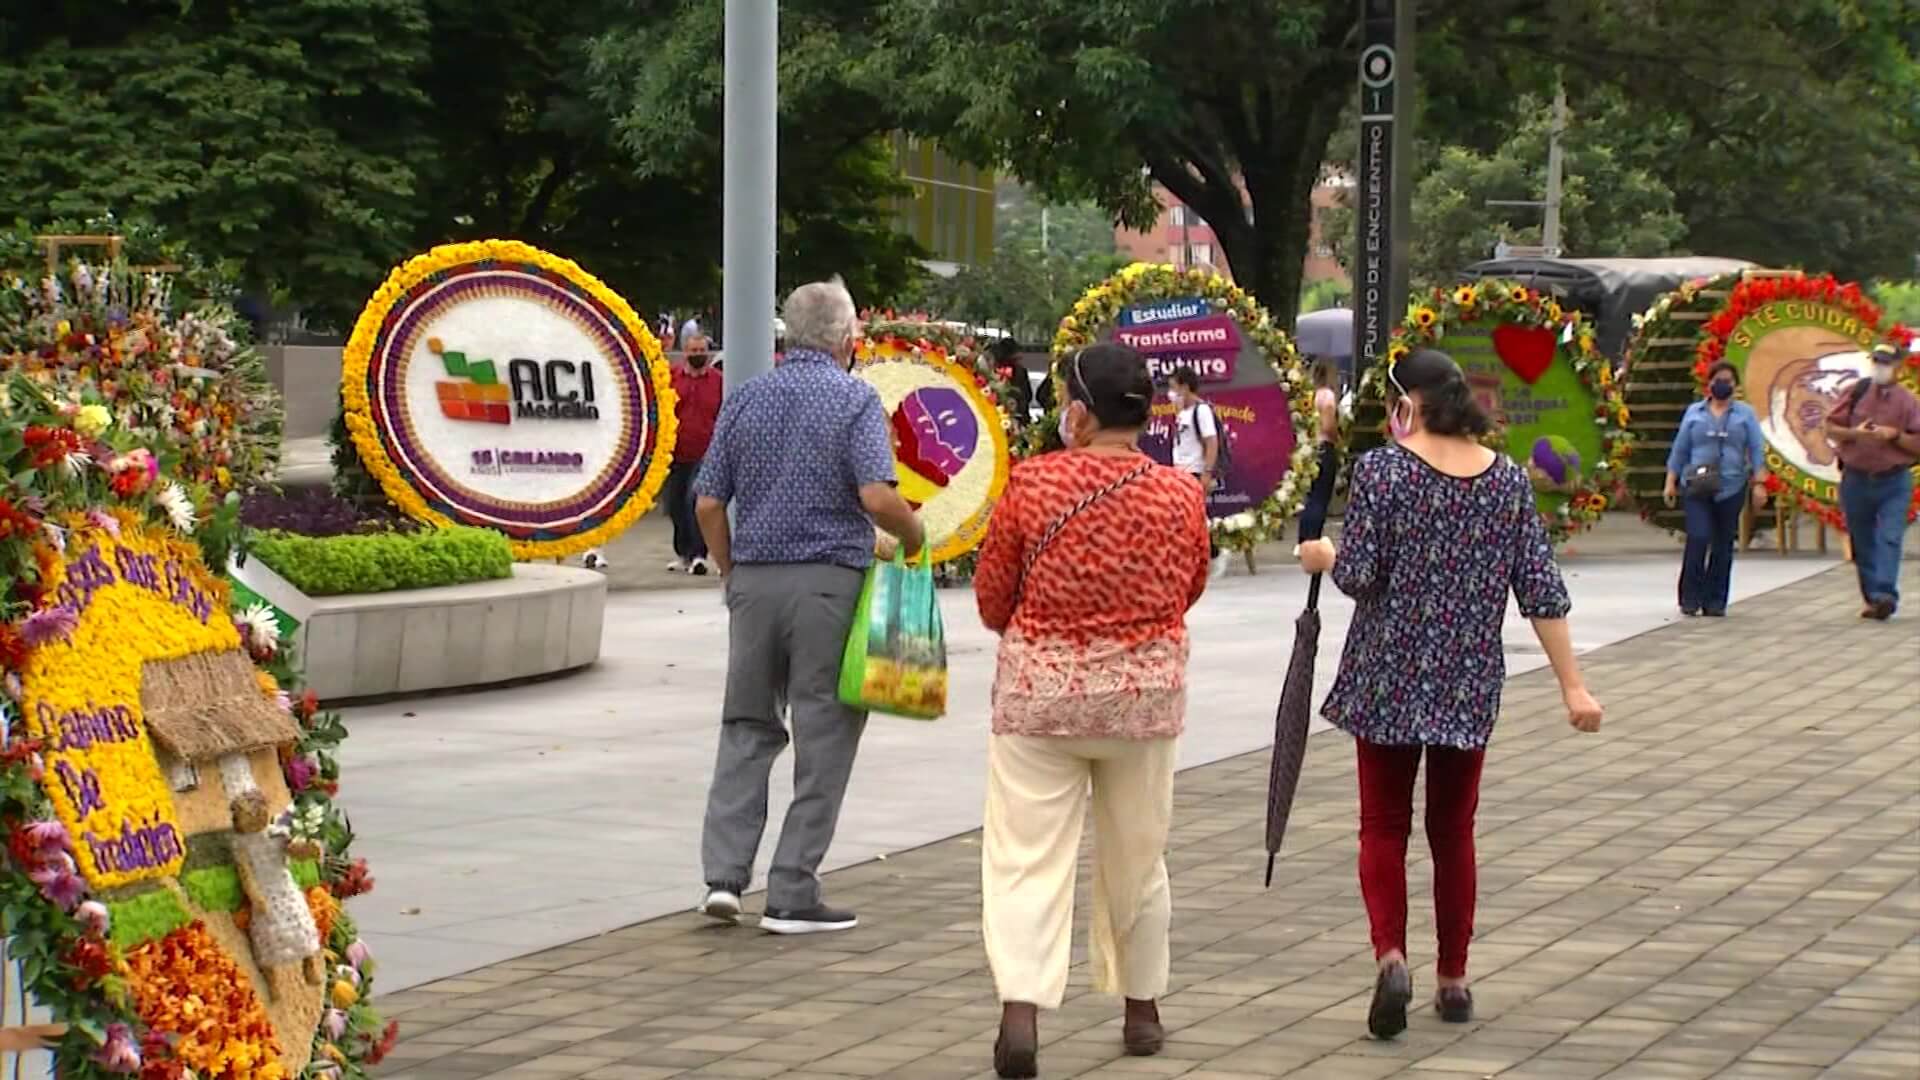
534	390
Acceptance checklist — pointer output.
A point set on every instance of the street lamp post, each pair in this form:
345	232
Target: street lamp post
747	230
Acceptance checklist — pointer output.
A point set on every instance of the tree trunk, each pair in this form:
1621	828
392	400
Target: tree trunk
1269	256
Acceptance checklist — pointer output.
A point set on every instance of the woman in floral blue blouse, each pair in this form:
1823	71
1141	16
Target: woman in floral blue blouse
1438	531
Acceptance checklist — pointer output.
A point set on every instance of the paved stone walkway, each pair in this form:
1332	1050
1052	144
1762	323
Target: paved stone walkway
1723	884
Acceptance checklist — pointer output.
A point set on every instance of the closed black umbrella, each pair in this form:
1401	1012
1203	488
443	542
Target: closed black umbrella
1291	721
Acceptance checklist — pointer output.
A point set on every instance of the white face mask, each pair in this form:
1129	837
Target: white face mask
1882	374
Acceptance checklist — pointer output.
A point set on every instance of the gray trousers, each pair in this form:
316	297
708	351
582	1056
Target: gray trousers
787	628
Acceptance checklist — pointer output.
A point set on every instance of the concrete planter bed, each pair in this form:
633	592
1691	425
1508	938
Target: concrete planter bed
543	620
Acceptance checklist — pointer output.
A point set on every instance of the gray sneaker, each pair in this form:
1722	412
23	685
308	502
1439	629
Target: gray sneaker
818	919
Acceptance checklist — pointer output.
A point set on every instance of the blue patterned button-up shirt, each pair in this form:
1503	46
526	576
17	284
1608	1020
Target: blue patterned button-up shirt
790	453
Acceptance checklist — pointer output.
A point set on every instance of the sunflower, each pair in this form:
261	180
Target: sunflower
1397	352
1425	317
1466	295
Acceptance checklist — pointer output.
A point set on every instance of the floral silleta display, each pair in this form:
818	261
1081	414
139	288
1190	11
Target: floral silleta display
1799	341
178	380
1557	407
949	438
176	862
1264	400
496	385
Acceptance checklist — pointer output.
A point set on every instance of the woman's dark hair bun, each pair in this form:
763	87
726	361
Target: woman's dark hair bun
1112	382
1447	404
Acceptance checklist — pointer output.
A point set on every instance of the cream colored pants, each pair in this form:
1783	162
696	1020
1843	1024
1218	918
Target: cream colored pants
1036	802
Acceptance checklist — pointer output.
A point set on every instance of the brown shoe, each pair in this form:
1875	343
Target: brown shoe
1016	1053
1880	610
1142	1034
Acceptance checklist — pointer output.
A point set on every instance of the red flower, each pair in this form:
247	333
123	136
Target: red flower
357	881
381	1047
15	521
51	446
13	648
90	962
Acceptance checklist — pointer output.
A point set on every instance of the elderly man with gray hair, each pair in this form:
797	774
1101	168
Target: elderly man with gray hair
804	457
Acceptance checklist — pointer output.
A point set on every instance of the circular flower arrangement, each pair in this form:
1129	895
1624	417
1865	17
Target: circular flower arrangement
173	931
1527	335
458	425
180	382
949	438
1099	311
1834	322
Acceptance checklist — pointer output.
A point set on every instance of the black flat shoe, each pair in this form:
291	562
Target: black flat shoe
1142	1034
1454	1004
1016	1053
1392	994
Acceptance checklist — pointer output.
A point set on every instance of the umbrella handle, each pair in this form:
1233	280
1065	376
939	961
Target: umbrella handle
1313	593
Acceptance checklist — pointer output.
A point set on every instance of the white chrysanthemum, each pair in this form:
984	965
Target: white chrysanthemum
263	631
179	507
76	463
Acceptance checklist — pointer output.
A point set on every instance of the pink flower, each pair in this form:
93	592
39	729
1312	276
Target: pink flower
47	833
60	885
48	625
336	1024
105	522
284	700
301	771
94	916
118	1053
358	954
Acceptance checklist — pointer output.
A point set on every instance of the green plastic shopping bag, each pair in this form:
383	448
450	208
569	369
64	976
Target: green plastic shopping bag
896	656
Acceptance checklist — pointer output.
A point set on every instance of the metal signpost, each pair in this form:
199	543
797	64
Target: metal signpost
747	231
1383	195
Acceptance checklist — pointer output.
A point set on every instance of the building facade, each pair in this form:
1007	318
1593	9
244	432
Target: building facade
1183	238
950	210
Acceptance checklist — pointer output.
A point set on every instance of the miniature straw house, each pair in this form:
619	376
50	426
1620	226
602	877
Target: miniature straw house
218	738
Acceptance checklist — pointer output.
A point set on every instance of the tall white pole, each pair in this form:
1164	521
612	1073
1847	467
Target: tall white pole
1550	230
747	233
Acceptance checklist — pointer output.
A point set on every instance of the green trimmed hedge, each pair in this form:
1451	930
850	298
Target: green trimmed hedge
384	561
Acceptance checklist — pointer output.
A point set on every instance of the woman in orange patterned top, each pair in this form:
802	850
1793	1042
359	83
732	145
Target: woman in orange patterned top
1094	557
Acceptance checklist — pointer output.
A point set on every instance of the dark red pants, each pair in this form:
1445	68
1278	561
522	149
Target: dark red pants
1387	774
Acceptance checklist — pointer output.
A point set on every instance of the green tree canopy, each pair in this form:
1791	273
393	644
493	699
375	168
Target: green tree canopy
286	138
1231	104
1609	205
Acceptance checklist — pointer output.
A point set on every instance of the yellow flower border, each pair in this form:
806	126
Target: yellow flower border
1100	307
366	438
99	666
992	417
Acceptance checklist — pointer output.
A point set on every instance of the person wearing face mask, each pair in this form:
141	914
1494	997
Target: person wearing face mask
803	458
1718	457
1439	531
696	388
1093	559
1876	427
1196	441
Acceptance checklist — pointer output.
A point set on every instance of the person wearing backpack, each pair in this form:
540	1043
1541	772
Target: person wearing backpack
1199	445
1876	429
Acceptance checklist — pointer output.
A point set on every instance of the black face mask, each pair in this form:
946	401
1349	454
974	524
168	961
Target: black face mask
697	361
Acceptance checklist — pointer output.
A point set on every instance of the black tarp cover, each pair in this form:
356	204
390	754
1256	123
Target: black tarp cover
1610	291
